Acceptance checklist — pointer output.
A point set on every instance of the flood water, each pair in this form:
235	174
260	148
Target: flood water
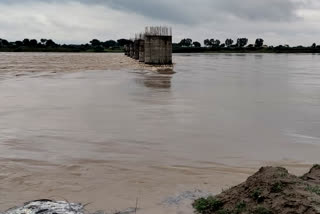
230	110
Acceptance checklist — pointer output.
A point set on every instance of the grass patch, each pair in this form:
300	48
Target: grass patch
256	195
314	189
316	166
240	207
208	205
277	187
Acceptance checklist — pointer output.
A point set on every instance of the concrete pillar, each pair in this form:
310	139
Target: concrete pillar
136	49
141	50
126	52
158	50
131	50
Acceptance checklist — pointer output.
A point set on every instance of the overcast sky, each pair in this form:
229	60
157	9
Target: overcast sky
78	21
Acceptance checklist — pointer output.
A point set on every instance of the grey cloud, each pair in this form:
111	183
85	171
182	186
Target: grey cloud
199	11
277	21
266	10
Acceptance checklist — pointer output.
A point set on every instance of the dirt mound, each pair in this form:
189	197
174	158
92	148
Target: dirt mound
270	191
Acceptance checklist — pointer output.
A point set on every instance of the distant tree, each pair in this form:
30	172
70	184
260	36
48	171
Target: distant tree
26	42
95	42
123	42
314	45
207	43
98	48
223	45
110	43
250	46
50	43
241	42
186	42
228	42
3	43
33	43
216	43
43	41
259	43
197	44
176	45
212	41
18	43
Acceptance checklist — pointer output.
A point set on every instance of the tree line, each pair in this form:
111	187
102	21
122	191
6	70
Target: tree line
94	45
239	45
185	45
240	42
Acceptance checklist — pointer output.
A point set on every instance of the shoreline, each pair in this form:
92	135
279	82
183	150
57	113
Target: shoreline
150	198
115	185
187	50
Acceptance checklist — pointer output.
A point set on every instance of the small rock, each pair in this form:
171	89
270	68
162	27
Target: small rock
45	206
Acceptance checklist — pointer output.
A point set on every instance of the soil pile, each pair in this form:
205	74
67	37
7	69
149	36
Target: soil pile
270	191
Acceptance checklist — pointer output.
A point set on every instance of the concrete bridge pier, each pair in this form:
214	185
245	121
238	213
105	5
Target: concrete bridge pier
131	54
152	47
141	50
136	49
158	50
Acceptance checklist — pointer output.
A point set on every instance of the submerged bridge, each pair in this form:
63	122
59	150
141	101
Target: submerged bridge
154	46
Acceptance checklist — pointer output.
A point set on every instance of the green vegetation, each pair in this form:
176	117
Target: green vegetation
48	45
256	195
314	189
240	207
240	46
186	45
277	187
208	205
212	205
316	166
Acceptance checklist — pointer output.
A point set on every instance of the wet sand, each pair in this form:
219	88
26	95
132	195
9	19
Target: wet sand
115	131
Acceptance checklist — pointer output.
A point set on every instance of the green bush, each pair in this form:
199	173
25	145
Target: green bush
240	207
208	205
314	189
277	187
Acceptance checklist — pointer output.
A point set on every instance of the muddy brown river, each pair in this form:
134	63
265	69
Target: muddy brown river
106	130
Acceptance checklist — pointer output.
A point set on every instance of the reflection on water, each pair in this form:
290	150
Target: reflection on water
155	80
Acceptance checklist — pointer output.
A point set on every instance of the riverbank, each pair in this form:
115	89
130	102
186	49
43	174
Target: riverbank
117	185
272	190
278	49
